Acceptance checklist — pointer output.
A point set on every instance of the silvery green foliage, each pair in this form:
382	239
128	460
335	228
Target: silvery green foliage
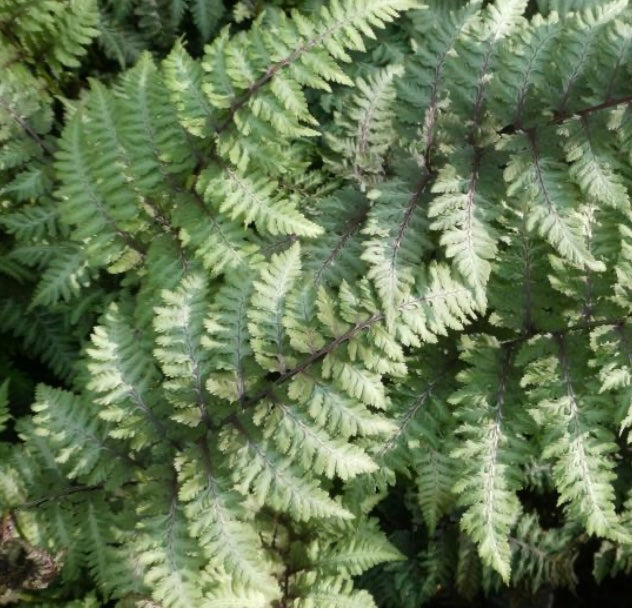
303	305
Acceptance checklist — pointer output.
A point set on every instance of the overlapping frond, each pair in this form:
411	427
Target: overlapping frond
347	261
492	444
575	438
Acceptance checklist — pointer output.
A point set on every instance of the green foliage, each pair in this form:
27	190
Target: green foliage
283	277
4	404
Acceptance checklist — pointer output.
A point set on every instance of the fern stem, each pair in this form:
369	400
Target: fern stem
355	223
247	402
420	402
26	128
60	494
606	104
325	350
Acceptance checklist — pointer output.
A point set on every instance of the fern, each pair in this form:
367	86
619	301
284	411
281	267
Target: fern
494	439
331	303
4	404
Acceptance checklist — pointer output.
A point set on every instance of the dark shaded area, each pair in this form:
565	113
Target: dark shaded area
401	584
610	593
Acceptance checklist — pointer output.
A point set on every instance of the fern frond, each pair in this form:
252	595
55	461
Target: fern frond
611	347
335	411
206	15
28	185
46	334
492	445
265	317
32	223
366	127
592	167
438	303
5	415
423	85
336	254
100	217
182	358
78	439
217	519
228	340
421	427
124	379
258	77
397	225
220	244
172	560
524	68
152	147
542	557
575	438
252	197
463	213
225	597
64	278
76	28
545	183
101	530
118	40
273	479
330	593
358	382
361	547
183	78
296	436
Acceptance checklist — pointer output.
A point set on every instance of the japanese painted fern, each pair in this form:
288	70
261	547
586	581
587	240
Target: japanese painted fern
374	249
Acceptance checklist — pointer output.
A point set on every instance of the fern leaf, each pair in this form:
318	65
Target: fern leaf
216	520
274	480
206	15
542	557
366	127
225	597
295	435
254	198
179	322
438	303
434	480
463	213
268	305
75	30
492	447
172	560
358	382
93	214
611	347
360	549
77	437
153	148
66	275
337	412
553	197
183	78
228	339
32	223
4	404
124	378
592	167
393	255
47	334
331	593
305	46
583	467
